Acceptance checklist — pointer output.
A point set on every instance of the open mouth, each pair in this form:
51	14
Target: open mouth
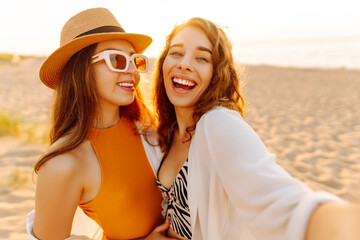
129	86
183	84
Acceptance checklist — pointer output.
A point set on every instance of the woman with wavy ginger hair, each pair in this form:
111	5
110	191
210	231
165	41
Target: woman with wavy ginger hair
223	93
217	178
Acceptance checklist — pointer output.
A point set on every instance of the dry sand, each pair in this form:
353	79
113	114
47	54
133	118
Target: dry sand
310	118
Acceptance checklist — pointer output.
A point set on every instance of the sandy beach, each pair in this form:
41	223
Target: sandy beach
310	118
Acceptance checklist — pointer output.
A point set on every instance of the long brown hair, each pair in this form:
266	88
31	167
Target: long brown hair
75	107
223	90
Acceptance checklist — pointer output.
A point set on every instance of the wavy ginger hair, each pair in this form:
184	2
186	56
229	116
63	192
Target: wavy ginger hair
223	90
76	106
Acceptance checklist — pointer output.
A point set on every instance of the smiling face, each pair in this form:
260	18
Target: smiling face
188	68
115	89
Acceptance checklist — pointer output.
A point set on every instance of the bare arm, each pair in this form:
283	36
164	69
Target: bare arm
334	221
58	192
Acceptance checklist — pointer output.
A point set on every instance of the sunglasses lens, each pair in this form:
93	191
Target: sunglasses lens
140	63
118	61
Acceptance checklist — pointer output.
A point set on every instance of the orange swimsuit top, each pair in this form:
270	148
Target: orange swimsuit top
128	204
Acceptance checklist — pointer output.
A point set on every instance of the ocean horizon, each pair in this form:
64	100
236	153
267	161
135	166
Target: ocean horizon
322	52
340	52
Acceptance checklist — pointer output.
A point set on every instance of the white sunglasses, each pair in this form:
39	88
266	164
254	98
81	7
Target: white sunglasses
119	61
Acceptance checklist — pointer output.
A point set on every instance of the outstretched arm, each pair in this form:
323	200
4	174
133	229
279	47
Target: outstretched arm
259	188
334	221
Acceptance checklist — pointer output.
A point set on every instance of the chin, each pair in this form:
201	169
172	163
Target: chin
183	102
125	102
178	104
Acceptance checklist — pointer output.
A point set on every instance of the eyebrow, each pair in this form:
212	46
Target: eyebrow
201	48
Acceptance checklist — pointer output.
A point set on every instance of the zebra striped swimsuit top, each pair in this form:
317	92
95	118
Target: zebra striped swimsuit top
175	203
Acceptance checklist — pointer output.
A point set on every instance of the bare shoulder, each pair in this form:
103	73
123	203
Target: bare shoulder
59	189
69	164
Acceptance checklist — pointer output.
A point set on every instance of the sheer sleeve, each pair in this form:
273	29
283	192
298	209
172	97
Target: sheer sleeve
270	202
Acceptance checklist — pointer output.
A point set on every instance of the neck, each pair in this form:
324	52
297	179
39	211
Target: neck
184	118
108	116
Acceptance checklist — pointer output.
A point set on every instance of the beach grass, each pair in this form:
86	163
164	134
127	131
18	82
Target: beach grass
6	56
12	58
32	132
9	125
18	178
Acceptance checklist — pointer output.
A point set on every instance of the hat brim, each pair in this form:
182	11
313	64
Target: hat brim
50	71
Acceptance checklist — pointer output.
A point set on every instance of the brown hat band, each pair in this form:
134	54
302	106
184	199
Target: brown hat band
103	29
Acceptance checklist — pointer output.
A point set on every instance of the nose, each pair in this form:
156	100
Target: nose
185	64
131	69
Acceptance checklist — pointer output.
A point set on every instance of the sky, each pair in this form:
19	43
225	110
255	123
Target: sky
34	26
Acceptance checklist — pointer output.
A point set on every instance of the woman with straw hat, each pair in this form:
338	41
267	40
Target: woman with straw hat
101	156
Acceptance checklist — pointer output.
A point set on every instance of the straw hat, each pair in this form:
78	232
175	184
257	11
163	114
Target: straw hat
82	30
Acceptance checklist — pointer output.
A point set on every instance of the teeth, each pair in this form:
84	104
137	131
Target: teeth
126	84
184	82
